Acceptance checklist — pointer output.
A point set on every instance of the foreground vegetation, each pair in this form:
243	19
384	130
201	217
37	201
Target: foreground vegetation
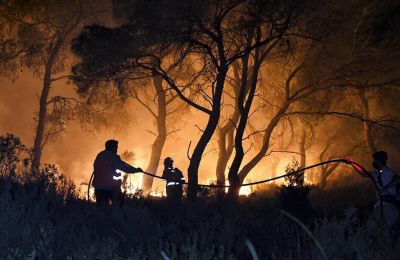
42	216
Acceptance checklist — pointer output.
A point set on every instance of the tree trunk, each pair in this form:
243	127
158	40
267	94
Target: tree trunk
158	145
302	146
326	172
205	138
54	52
37	147
366	124
225	141
274	166
266	140
248	88
42	117
225	145
322	179
244	108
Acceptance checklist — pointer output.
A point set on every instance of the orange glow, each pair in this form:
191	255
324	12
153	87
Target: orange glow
75	150
245	191
157	194
133	183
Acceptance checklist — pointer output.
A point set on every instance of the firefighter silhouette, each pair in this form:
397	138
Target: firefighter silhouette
107	175
387	206
386	179
174	179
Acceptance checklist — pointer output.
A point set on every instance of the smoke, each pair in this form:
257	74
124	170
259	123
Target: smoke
75	149
131	124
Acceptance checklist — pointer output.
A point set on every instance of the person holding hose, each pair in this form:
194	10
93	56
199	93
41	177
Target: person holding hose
107	179
387	207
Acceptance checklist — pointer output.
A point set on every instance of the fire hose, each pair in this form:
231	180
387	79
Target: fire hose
355	165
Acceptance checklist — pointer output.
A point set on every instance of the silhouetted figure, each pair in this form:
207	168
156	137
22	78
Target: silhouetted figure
107	178
387	206
174	179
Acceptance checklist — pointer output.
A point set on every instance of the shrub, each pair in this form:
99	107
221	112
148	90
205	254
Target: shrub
41	217
11	150
293	197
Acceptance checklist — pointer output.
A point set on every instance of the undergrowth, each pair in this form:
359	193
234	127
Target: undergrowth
42	217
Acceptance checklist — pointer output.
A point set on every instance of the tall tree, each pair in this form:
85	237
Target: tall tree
333	71
162	108
105	67
35	35
201	35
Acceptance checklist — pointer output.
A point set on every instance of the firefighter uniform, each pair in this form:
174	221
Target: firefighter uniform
387	205
174	179
107	178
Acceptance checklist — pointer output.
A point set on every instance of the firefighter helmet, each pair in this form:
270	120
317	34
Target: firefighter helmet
168	161
380	156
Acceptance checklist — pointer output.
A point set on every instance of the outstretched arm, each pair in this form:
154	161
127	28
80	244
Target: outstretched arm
126	167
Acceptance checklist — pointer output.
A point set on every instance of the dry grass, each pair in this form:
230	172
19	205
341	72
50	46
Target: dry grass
41	217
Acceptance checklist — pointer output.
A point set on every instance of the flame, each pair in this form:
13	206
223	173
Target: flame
157	194
134	183
245	191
